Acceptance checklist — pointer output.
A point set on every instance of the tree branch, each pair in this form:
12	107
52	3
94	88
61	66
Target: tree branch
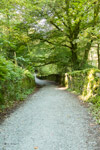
56	26
45	63
62	20
64	45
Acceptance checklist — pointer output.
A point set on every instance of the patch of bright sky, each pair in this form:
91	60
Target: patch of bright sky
1	16
42	22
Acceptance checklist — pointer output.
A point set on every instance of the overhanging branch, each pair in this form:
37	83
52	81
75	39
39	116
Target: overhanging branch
57	27
65	45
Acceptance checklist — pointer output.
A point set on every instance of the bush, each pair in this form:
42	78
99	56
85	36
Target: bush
85	82
14	82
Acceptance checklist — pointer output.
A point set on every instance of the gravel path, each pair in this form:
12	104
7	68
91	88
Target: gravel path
52	119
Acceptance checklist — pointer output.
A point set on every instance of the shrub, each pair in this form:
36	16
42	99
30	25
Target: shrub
14	82
84	82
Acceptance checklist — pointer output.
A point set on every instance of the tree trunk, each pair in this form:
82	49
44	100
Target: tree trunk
98	57
86	53
96	13
15	58
75	62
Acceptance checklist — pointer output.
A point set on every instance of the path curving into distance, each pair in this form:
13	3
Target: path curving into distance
51	119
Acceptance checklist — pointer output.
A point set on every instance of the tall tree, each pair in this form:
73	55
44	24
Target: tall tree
45	32
67	19
96	6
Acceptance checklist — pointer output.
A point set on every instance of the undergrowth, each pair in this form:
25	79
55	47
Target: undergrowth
95	107
15	83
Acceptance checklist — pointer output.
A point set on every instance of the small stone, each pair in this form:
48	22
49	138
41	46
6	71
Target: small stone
35	147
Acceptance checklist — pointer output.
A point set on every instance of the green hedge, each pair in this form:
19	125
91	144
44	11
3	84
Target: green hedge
15	82
87	84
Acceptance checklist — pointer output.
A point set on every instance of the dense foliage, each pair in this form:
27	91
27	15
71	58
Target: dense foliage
42	32
15	83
